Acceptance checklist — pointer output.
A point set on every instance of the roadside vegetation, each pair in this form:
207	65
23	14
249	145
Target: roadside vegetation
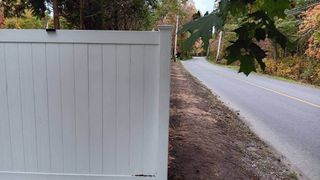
289	48
98	14
300	61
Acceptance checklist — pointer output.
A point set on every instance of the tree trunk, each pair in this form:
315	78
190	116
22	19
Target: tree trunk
82	23
175	40
116	22
219	46
208	50
1	17
285	52
275	51
56	20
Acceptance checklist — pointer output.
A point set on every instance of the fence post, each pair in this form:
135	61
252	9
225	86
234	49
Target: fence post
164	96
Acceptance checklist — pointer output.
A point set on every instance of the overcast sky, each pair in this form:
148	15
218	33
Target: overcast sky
204	5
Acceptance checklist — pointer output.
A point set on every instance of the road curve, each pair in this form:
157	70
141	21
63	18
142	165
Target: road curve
285	115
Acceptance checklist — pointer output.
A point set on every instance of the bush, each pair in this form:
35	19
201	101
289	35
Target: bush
23	23
297	68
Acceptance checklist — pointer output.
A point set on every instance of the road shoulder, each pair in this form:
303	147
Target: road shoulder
264	75
209	141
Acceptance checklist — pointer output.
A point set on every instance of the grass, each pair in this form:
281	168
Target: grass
234	67
293	175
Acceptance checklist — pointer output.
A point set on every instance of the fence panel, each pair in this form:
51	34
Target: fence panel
83	104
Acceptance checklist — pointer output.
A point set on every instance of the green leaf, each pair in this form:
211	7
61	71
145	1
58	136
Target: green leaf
247	64
247	53
201	28
260	34
235	7
275	35
233	52
259	54
275	8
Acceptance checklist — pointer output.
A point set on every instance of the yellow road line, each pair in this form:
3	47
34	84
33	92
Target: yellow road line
274	91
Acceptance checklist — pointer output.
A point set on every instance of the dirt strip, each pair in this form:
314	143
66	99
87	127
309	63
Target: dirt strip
209	141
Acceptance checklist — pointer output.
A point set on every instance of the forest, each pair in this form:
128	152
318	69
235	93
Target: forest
291	44
279	38
94	14
300	60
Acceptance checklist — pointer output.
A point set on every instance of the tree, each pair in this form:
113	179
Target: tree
188	10
302	5
28	21
81	12
167	13
18	8
257	19
42	7
198	48
310	26
13	8
56	16
196	15
97	14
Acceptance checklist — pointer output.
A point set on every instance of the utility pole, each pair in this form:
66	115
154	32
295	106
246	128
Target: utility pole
176	39
219	46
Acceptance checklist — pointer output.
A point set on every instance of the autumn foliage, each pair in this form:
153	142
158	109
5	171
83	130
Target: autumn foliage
310	25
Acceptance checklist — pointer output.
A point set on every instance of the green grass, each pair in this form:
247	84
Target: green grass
293	175
234	67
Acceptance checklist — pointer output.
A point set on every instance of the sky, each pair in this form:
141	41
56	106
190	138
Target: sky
204	5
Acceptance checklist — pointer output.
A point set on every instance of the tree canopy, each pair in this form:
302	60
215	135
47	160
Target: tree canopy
257	22
87	14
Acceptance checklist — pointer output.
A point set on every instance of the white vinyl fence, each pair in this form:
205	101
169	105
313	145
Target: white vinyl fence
84	105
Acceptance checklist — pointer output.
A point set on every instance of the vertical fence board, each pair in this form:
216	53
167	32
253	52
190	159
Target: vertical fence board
5	141
123	108
54	103
136	109
82	105
68	107
41	106
95	108
27	105
14	102
150	105
109	109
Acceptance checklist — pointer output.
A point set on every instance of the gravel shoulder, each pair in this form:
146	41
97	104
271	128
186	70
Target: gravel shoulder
210	141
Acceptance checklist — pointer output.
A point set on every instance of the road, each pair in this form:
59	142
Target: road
285	115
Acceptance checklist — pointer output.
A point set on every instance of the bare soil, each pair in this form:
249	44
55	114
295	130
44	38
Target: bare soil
210	141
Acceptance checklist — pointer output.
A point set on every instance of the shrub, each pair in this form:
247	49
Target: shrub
297	68
26	22
310	27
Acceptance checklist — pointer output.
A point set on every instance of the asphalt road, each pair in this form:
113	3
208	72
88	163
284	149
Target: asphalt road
285	115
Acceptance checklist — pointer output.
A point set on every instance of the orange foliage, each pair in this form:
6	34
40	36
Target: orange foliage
311	25
1	17
198	47
295	67
313	49
290	67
